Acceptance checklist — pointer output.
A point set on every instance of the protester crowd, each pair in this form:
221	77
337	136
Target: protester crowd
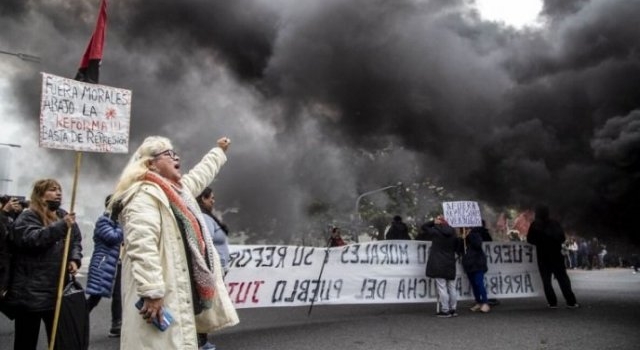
159	246
448	245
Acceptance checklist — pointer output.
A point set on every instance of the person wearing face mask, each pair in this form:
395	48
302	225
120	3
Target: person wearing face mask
169	263
38	239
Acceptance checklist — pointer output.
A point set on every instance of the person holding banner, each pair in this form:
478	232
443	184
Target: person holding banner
547	235
335	240
38	239
474	262
441	264
397	229
170	268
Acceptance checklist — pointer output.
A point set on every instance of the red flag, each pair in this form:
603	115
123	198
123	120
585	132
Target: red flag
90	63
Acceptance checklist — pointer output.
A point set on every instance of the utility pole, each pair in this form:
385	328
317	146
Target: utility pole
357	210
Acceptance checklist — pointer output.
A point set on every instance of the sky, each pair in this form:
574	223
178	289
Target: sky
518	14
327	99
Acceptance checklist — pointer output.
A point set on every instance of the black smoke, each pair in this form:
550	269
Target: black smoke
325	100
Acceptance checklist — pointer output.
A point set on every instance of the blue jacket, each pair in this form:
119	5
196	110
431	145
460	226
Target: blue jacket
107	238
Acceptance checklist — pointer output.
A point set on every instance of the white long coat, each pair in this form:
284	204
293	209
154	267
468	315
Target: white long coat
155	265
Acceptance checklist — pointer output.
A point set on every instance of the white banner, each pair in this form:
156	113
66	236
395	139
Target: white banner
84	117
462	214
381	272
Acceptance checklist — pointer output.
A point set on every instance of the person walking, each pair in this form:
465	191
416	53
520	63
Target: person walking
105	267
38	246
441	264
169	264
474	263
219	234
547	235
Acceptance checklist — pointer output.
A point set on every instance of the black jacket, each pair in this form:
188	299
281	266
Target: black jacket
398	230
37	257
5	261
442	254
548	236
474	258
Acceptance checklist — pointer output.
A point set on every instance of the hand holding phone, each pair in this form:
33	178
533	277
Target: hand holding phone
166	318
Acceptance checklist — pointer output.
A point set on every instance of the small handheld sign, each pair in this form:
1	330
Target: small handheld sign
462	213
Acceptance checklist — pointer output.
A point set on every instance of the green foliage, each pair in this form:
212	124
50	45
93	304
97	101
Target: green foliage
416	203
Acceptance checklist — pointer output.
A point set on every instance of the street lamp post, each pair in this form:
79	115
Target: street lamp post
10	145
23	56
357	210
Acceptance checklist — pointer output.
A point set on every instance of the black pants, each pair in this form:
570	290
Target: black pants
116	301
27	329
203	338
560	272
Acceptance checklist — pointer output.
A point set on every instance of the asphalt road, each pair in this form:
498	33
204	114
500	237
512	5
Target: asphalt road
608	319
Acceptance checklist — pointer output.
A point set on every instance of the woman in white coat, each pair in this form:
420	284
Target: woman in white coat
169	261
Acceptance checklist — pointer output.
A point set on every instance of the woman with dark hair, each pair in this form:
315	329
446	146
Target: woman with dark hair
217	229
104	279
38	239
219	233
474	263
336	238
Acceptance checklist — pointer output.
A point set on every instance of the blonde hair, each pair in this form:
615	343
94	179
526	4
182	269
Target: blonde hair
139	164
38	204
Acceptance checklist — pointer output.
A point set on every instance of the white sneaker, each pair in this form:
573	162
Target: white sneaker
207	346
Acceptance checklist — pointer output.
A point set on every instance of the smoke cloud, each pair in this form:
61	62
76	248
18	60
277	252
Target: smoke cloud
325	100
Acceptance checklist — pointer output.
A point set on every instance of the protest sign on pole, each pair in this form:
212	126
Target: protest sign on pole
462	213
84	117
